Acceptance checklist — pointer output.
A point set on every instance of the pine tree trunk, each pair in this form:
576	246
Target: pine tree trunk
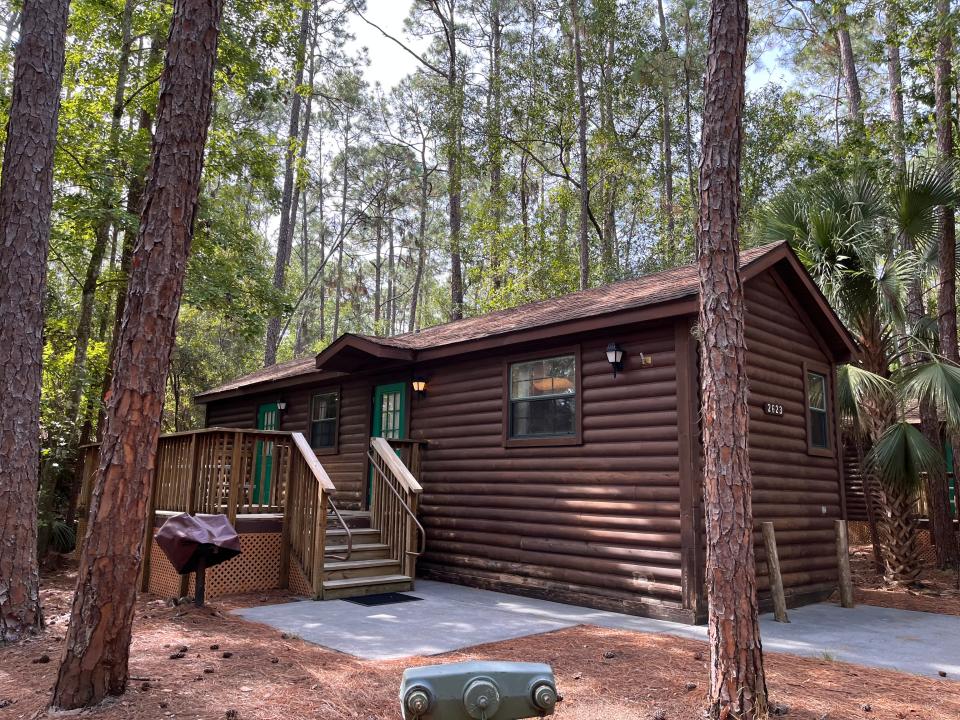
303	326
134	199
666	128
102	232
391	309
288	205
454	164
421	236
495	146
895	87
378	276
584	176
97	646
26	196
687	104
938	504
607	122
849	65
737	683
342	235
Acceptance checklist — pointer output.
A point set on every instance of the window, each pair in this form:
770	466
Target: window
543	398
324	411
818	425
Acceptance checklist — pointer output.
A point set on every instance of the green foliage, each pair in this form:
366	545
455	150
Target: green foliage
936	382
856	390
901	455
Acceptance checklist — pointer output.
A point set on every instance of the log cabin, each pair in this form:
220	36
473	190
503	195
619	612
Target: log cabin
551	449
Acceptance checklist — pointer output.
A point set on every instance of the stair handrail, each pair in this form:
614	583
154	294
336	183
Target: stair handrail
404	477
324	501
406	508
343	523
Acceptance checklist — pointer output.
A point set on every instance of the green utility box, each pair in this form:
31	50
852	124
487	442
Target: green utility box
478	691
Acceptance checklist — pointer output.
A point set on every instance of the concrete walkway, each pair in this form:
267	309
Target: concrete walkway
452	617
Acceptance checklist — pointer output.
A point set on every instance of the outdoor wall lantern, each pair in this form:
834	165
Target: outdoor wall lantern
419	385
281	406
615	357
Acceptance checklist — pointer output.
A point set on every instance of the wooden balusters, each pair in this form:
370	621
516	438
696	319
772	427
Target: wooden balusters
396	494
231	472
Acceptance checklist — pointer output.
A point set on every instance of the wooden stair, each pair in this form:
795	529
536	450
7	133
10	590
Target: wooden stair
369	569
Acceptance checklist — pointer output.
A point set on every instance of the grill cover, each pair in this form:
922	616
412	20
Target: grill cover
187	540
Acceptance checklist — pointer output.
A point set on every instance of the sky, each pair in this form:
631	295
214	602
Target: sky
389	63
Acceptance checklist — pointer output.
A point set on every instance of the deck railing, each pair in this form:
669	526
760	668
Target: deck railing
393	509
241	472
309	498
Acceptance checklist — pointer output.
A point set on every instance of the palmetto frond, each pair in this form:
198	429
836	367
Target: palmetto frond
935	381
901	455
859	389
914	198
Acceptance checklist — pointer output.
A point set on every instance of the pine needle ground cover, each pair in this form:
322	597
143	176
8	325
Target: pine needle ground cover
934	591
202	663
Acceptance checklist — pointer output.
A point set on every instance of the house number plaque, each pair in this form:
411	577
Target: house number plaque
773	409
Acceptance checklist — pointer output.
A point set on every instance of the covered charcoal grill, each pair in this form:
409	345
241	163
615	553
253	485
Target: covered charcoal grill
193	543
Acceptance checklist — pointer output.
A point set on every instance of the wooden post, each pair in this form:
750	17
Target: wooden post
234	498
148	533
319	543
843	565
192	476
288	507
773	573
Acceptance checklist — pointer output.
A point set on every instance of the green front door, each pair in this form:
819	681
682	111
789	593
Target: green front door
268	418
389	418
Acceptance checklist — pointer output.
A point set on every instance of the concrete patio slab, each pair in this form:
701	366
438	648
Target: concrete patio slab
452	617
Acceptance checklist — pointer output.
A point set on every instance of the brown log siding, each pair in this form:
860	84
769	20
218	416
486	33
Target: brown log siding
347	466
799	492
599	519
598	523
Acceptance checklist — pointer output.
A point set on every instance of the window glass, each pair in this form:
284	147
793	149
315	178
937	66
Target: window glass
817	409
323	420
543	397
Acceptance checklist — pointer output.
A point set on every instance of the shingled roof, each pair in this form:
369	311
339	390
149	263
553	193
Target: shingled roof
627	294
669	287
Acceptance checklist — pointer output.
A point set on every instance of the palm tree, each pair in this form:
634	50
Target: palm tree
865	241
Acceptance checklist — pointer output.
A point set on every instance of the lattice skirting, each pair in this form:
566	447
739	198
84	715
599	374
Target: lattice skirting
256	568
298	583
858	533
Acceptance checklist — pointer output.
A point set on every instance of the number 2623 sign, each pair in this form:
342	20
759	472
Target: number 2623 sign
773	409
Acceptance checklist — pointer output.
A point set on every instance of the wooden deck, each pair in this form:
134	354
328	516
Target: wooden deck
278	496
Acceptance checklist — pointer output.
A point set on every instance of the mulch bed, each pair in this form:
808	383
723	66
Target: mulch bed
235	669
935	591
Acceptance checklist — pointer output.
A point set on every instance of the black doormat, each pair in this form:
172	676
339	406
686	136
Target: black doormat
390	598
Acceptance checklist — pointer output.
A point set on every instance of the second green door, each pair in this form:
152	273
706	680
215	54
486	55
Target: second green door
389	418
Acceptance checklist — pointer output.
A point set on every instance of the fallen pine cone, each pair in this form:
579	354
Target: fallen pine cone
214	647
42	660
227	654
177	655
